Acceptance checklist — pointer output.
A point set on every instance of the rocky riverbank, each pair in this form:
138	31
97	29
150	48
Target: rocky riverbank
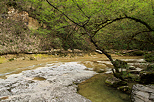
53	78
53	83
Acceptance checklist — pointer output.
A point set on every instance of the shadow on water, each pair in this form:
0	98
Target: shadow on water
96	90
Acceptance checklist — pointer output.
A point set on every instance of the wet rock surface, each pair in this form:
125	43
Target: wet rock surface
115	82
57	84
141	93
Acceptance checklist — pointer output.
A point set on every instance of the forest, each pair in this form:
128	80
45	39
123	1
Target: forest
41	25
122	31
72	24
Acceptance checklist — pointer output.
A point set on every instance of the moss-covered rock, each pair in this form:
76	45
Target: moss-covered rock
114	82
125	89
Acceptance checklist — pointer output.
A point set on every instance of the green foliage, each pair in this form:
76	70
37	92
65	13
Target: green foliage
150	67
11	59
149	57
138	53
116	35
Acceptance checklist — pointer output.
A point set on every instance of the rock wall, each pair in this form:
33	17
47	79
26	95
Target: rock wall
22	16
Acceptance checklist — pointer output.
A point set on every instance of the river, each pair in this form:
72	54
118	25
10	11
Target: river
56	79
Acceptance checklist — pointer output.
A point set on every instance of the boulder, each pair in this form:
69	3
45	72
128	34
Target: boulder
125	89
141	93
132	68
114	82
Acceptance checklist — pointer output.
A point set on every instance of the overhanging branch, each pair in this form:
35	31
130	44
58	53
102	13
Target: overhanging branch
63	14
107	22
80	9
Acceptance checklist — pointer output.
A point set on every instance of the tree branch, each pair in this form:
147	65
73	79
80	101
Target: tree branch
80	9
143	41
132	37
107	22
140	21
63	14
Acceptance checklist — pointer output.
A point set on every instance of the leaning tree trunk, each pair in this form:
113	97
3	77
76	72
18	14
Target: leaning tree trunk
104	52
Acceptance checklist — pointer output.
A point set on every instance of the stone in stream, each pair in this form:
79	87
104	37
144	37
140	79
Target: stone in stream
115	82
132	68
56	84
136	71
141	93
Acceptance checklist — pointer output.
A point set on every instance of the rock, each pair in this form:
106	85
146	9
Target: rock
146	77
98	51
114	82
125	89
77	51
101	71
136	71
80	54
109	72
141	93
3	98
32	58
151	97
134	60
69	50
54	83
132	68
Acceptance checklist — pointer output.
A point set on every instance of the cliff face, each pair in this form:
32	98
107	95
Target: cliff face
24	17
16	36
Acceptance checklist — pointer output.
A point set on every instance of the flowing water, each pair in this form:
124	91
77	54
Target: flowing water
93	88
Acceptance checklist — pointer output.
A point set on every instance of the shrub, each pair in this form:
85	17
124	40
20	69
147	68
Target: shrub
149	57
138	53
150	67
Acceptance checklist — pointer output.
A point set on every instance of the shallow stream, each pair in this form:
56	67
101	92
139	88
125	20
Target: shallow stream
43	74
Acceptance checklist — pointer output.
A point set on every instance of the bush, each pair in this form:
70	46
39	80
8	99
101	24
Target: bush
138	53
149	57
150	67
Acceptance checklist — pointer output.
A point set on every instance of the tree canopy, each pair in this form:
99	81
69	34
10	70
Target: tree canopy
91	17
112	24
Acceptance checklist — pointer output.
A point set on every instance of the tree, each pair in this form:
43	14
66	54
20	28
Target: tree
92	16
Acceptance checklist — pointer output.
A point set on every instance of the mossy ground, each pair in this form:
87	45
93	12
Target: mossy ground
2	59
